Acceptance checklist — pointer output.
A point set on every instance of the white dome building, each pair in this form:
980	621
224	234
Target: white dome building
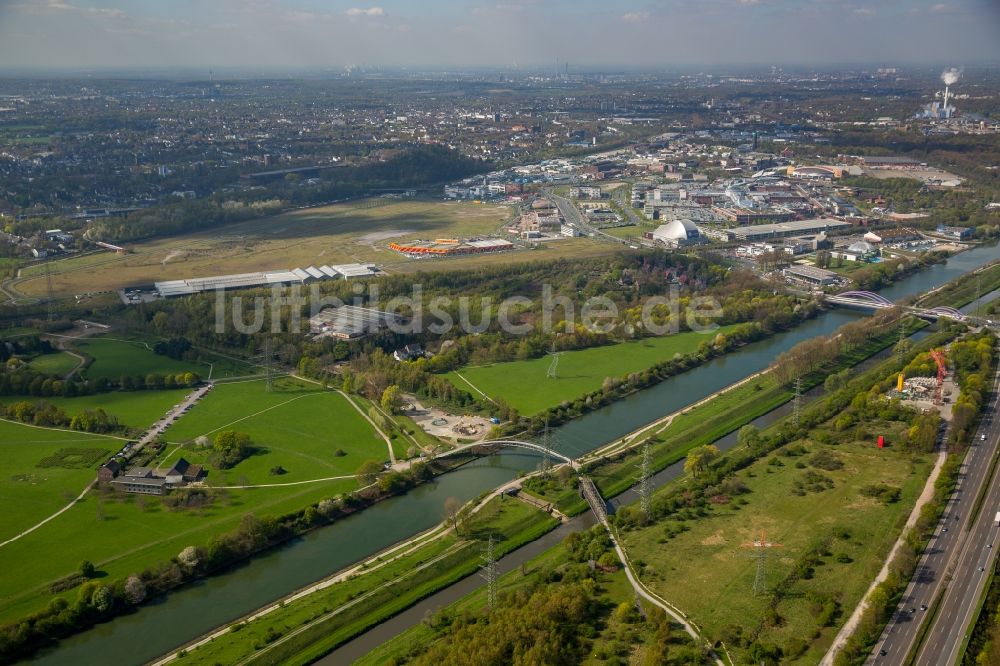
861	248
678	232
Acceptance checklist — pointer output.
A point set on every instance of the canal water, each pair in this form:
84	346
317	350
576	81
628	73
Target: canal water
385	631
158	628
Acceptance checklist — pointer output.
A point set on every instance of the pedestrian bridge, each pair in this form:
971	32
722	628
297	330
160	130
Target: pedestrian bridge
508	443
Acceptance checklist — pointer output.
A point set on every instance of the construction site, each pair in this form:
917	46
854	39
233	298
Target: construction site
928	393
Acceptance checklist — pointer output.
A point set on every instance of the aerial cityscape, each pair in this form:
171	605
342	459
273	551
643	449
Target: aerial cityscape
532	333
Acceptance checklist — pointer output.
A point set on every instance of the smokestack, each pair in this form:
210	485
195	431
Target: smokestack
946	91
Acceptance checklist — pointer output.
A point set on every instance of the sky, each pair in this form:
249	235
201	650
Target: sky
75	34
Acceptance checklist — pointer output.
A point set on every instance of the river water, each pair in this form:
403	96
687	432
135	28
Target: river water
159	627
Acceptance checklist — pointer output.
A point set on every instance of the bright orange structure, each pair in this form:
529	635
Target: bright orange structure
452	246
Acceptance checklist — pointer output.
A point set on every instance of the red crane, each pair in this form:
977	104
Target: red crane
942	370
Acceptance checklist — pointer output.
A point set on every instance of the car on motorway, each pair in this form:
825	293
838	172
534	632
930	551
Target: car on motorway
923	607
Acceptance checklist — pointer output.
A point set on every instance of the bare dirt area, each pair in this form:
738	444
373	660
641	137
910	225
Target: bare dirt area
443	425
925	175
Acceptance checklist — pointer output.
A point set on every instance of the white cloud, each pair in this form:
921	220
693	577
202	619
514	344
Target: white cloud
370	12
940	8
864	11
635	17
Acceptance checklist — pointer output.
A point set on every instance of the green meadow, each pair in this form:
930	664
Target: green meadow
525	385
41	470
136	409
297	426
114	358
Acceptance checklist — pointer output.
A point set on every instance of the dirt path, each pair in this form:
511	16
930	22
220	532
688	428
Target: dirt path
52	517
474	387
852	622
388	442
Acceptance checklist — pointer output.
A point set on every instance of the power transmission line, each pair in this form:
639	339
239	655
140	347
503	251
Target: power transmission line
268	371
546	445
49	301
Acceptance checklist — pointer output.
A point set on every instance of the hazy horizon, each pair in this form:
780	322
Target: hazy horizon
80	35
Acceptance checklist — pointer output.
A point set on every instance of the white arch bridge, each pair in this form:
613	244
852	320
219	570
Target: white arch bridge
508	444
867	300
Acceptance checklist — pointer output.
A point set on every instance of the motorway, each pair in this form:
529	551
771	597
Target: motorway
956	564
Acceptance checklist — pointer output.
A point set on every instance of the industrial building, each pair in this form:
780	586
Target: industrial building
892	162
189	286
817	277
585	192
761	232
350	322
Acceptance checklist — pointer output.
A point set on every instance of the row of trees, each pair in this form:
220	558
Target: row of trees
46	414
815	353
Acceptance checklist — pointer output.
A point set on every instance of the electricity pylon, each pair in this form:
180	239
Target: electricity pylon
49	302
488	571
268	358
761	548
551	373
645	483
797	402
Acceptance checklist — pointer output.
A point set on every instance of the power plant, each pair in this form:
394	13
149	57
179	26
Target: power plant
942	110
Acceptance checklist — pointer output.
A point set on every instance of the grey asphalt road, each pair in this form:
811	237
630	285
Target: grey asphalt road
955	565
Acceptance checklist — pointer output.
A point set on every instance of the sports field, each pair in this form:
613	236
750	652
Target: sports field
296	426
526	386
710	555
42	470
340	233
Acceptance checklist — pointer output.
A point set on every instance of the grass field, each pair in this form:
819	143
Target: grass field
297	426
524	384
630	231
126	535
708	553
38	492
136	409
58	363
340	233
116	357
